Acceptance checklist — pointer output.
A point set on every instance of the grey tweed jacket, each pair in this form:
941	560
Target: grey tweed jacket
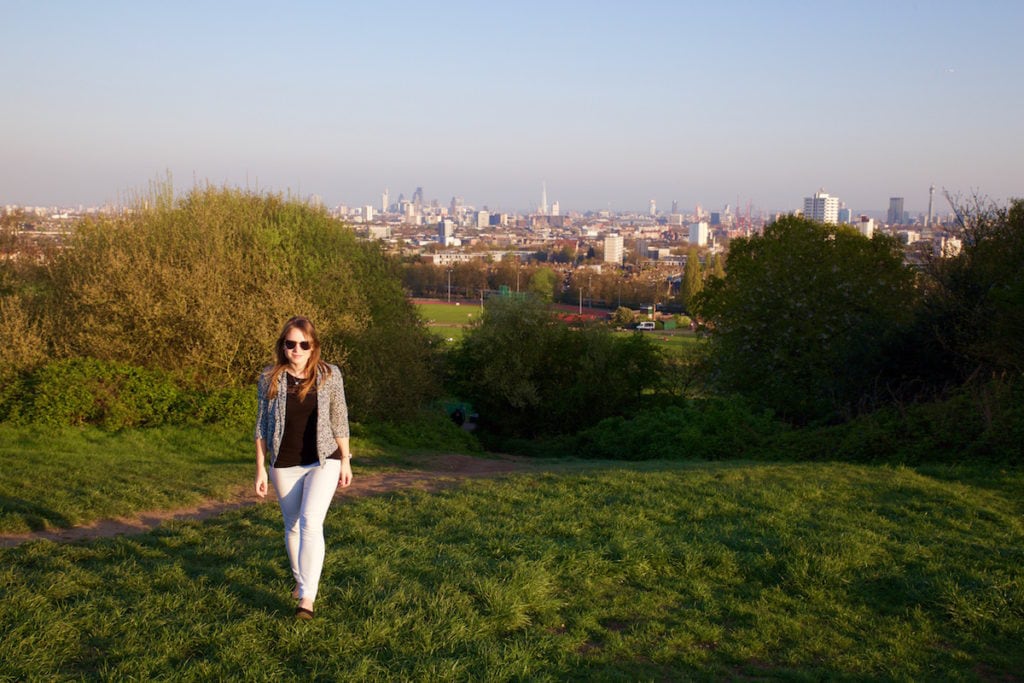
332	412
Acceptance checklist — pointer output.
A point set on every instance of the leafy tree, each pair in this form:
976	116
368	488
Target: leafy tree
623	316
717	269
803	319
692	282
528	374
470	277
543	283
975	304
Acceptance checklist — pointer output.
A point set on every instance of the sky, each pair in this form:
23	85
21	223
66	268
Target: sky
610	104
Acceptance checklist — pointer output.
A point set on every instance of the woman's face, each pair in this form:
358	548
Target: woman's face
296	355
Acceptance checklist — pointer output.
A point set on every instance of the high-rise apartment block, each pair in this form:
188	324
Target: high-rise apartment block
699	234
895	216
445	232
613	248
822	208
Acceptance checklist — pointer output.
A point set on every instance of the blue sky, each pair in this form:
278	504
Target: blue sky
612	104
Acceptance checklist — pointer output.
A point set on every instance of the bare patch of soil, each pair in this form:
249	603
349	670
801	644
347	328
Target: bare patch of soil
439	471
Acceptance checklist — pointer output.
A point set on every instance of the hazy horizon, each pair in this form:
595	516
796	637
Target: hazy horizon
610	105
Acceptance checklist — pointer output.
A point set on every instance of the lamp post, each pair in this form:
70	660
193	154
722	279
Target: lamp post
449	285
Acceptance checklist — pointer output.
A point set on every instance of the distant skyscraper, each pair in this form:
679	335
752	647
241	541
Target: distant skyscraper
613	249
555	209
543	199
384	201
417	199
654	208
822	208
675	206
845	216
931	196
895	215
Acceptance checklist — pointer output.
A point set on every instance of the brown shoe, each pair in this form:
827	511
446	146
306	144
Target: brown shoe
303	613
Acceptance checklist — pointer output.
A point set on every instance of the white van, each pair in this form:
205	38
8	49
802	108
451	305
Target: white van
646	325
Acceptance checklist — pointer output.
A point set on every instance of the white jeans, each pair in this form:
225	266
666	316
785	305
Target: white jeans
305	493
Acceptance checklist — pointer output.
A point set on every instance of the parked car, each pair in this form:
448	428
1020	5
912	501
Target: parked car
646	325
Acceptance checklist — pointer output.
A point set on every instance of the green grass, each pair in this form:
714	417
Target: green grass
591	572
63	477
671	340
451	314
448	321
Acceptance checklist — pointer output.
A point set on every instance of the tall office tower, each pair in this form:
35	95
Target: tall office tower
654	208
417	199
543	199
556	209
675	206
845	215
613	248
931	196
384	201
822	208
483	219
895	215
367	213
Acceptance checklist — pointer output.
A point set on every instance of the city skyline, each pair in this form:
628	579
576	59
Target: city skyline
606	106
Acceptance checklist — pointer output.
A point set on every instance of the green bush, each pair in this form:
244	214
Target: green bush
528	374
429	429
115	396
712	429
200	286
87	391
984	423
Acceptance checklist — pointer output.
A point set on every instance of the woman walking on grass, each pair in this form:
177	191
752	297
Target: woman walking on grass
302	426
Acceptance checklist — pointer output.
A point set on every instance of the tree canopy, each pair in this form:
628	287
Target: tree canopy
804	316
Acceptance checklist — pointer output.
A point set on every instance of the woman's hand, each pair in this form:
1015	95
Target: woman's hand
346	473
261	482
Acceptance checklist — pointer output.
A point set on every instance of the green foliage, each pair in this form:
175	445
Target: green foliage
975	302
23	347
200	287
976	423
543	283
717	269
710	429
693	282
528	374
428	430
623	317
114	396
805	315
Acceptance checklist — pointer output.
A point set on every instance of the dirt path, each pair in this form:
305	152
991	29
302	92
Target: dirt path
438	472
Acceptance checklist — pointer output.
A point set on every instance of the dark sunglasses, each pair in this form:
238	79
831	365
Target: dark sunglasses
290	344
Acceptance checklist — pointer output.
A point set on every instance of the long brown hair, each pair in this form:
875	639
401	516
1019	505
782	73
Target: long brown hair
316	369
